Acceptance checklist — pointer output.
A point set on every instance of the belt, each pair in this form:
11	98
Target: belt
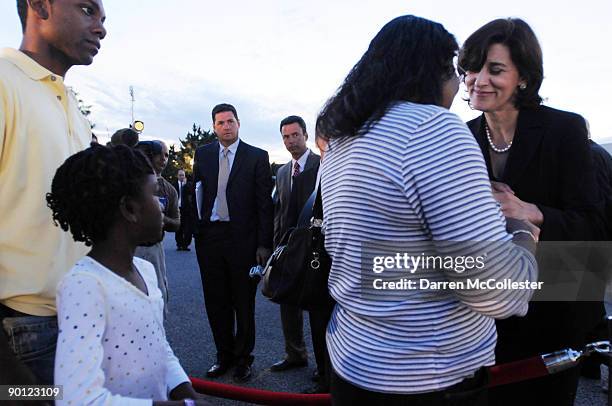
6	311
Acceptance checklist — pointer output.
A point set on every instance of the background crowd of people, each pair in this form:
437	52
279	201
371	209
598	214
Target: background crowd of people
85	269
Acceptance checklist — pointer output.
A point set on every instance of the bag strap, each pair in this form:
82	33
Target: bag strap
317	210
313	208
307	210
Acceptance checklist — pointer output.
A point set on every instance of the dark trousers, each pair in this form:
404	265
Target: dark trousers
319	318
184	233
548	327
558	389
469	392
229	293
292	320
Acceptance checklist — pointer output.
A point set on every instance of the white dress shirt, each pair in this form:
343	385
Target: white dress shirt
180	192
231	154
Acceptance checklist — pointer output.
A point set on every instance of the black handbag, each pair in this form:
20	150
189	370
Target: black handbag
298	270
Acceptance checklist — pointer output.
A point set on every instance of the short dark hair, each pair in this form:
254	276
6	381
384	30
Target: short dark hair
408	60
125	136
150	148
291	120
22	10
88	187
220	108
525	52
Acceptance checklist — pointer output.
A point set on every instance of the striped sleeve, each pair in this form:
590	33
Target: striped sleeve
416	177
448	183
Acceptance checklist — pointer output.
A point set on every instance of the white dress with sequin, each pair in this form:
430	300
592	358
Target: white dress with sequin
112	346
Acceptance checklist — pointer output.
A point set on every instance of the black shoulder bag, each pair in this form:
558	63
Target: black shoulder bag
298	270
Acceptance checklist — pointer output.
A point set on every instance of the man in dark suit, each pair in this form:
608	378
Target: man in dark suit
234	233
293	131
600	258
183	234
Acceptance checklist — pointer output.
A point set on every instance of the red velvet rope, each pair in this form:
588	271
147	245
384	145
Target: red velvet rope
258	396
517	371
503	374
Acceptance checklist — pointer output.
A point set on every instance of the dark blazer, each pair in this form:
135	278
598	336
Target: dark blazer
550	165
603	173
249	193
186	195
303	187
283	191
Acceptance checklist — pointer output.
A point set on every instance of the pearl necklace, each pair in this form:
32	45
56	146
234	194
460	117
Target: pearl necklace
493	147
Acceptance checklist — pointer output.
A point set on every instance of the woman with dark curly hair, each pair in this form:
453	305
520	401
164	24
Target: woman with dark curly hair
112	347
401	170
539	162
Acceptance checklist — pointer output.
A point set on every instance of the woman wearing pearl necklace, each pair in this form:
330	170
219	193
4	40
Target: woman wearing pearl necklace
540	168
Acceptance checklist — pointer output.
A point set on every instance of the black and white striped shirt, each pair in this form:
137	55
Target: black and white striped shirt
416	175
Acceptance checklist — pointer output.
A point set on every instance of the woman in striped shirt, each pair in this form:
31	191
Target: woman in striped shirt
403	174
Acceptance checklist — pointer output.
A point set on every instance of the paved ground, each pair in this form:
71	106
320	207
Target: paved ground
191	339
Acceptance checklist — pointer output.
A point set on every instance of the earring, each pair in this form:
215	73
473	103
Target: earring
523	86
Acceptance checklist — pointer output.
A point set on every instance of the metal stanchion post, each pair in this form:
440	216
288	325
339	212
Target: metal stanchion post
608	363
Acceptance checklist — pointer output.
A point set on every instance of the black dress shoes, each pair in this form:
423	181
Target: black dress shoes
242	373
286	364
217	370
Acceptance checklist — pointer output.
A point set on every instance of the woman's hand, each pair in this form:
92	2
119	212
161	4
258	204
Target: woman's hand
513	207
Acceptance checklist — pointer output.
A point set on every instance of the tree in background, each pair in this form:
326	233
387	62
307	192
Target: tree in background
183	157
85	109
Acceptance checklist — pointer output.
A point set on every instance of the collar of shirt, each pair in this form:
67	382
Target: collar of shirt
28	65
302	161
232	148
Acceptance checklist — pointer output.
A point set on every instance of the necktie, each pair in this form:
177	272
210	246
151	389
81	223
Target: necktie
224	170
296	169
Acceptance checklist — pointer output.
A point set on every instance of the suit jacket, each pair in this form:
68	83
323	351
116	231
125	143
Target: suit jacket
249	193
303	188
550	165
283	190
185	193
603	172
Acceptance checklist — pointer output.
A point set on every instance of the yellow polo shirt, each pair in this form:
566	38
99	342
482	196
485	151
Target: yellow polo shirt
40	126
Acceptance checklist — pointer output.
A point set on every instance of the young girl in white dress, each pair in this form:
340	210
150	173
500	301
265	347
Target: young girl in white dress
112	346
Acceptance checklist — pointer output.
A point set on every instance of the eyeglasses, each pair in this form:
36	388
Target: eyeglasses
458	69
461	73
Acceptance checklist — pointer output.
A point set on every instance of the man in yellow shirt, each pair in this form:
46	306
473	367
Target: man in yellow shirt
40	126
